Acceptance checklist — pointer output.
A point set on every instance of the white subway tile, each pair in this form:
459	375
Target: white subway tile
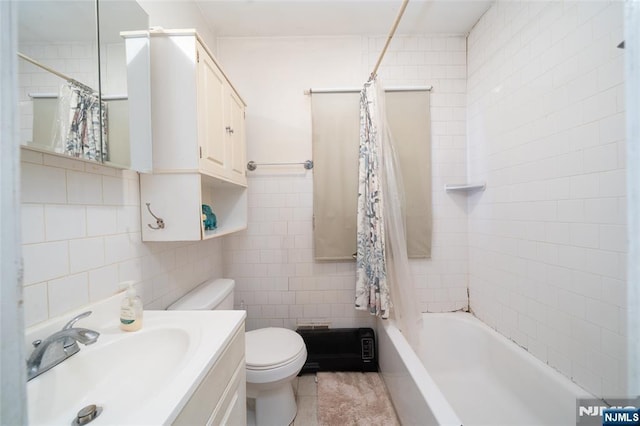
602	210
604	315
571	210
587	378
101	220
558	232
68	293
130	270
32	218
36	307
85	254
65	222
613	183
613	237
84	188
599	106
612	128
117	248
114	189
128	218
103	282
585	235
606	263
41	184
585	186
601	158
614	291
45	261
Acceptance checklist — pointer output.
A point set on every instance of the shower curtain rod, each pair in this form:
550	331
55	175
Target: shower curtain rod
56	73
354	90
389	37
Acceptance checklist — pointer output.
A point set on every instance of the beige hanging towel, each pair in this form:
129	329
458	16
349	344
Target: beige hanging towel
335	132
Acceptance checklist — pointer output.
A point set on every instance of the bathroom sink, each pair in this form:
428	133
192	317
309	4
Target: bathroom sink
142	377
117	372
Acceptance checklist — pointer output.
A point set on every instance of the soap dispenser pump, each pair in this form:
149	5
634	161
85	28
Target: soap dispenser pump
130	309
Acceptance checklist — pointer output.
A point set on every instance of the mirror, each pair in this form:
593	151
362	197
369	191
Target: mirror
64	51
120	82
73	79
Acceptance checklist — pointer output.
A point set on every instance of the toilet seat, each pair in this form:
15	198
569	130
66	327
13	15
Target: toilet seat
273	358
269	348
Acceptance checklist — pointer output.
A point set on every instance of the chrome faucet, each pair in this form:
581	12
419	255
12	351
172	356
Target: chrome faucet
59	346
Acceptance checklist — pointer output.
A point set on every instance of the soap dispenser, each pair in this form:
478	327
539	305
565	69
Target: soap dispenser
130	309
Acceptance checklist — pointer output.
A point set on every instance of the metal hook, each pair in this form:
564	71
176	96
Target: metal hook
159	220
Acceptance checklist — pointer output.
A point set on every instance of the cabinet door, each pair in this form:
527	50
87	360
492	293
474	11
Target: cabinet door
236	135
211	119
232	409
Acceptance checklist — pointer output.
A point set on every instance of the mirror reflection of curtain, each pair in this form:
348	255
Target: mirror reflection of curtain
80	129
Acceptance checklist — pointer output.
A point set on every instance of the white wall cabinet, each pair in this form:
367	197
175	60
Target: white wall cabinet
212	117
236	138
199	147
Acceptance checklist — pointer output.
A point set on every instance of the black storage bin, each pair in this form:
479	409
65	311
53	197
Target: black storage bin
340	349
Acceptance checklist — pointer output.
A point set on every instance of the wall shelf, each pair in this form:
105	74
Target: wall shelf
464	187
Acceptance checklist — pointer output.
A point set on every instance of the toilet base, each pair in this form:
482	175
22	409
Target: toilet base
251	416
276	406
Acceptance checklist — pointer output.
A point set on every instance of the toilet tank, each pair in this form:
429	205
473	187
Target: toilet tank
214	294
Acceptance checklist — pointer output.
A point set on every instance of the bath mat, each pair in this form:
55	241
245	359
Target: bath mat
354	399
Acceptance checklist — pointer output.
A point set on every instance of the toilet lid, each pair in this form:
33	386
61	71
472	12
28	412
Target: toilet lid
272	347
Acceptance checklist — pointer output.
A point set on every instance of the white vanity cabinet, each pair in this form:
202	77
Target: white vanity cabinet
220	399
199	147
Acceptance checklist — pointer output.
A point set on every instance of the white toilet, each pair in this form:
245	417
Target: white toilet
274	356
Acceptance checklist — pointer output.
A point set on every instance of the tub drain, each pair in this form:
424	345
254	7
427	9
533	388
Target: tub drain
87	415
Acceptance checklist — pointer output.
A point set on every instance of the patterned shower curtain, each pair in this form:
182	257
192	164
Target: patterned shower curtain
383	273
372	290
81	127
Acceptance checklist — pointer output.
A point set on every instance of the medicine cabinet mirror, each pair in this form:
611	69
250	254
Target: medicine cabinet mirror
74	77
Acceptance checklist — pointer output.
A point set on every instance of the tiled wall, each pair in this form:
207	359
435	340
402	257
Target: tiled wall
272	261
81	237
81	221
546	132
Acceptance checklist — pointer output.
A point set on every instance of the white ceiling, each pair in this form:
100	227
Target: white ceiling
339	17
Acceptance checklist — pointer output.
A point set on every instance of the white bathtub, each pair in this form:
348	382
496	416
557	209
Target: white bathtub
469	374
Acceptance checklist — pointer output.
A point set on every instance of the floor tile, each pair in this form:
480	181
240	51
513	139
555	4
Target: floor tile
307	411
307	385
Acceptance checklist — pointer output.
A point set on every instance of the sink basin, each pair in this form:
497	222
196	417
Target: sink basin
115	372
142	377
